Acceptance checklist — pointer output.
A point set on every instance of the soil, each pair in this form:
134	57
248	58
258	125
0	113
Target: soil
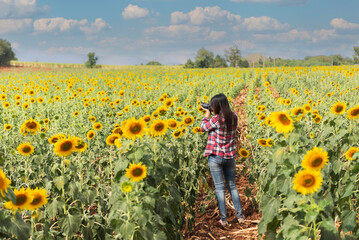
206	224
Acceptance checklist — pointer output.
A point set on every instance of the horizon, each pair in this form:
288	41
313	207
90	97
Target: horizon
172	31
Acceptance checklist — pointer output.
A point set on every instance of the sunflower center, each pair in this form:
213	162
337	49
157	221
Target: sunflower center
308	181
159	127
317	162
66	146
20	199
355	112
31	125
36	200
244	153
147	119
339	109
136	128
188	120
137	172
284	119
26	149
177	133
91	135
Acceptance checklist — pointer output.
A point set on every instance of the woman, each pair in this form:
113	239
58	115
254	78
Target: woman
221	150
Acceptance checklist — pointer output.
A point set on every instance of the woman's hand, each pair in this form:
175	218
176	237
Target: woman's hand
208	113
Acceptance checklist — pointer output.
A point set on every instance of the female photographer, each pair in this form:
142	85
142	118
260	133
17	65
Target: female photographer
221	150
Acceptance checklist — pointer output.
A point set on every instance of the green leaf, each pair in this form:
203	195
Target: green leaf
349	221
59	182
127	229
270	210
348	190
70	224
135	154
20	228
53	207
248	191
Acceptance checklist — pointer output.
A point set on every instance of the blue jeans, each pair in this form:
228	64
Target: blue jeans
220	166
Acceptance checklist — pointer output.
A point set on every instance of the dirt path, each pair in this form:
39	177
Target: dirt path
206	222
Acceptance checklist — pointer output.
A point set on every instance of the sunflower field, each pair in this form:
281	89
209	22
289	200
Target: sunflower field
103	154
118	154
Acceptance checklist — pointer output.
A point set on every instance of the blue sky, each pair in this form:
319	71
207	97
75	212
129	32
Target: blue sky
124	32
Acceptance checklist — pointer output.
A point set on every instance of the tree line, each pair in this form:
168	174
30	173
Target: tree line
233	58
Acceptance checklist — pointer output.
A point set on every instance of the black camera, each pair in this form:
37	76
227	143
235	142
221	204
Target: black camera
206	106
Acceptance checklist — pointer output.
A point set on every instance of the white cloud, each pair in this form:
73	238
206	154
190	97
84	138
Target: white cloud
201	15
76	50
174	31
340	23
245	44
214	35
95	27
261	23
19	8
295	35
14	25
61	24
134	11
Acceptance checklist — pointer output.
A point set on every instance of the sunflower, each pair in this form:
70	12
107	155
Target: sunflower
4	182
75	114
311	135
262	142
7	127
64	147
23	199
353	112
97	126
177	133
338	108
307	181
110	140
90	134
307	108
188	120
126	187
31	126
25	149
39	198
118	130
281	121
134	128
92	118
147	118
243	152
80	146
349	154
172	123
270	142
317	118
315	159
158	127
162	110
55	138
297	111
136	172
196	130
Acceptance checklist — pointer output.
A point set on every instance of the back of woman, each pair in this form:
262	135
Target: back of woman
221	150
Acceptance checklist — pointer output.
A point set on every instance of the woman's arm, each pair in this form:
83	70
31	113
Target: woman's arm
209	124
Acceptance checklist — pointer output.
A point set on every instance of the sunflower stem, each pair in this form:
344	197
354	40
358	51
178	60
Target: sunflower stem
63	186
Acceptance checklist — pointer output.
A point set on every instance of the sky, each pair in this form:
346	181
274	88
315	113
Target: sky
129	32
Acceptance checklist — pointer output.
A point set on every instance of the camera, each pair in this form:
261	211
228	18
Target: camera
206	106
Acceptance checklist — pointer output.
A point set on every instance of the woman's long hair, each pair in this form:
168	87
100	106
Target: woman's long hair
220	105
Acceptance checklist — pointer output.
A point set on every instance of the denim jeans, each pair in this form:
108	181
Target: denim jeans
220	167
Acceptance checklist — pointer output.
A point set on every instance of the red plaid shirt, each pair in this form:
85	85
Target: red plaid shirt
220	141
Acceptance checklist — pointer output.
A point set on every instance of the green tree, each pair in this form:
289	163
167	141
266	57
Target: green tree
204	59
243	63
233	56
189	64
91	62
219	62
356	54
154	63
6	53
